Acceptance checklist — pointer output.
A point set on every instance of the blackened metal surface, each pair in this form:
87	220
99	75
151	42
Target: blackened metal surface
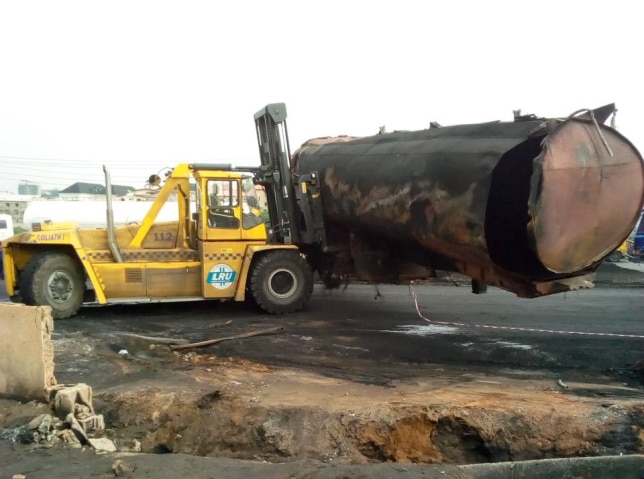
432	184
487	196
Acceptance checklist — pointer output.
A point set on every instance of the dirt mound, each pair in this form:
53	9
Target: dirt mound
246	411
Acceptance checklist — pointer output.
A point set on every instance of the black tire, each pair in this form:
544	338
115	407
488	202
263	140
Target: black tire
56	280
281	282
615	257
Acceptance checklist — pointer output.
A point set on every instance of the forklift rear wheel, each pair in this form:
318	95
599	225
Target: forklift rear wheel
56	280
281	282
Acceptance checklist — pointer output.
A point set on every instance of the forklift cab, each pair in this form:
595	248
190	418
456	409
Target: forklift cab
228	207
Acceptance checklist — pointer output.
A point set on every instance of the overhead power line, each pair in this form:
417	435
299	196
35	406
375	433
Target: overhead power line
116	161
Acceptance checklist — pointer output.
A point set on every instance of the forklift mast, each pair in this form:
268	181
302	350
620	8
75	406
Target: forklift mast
294	203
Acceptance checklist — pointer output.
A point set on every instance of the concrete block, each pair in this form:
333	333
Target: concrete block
68	398
76	400
102	444
26	351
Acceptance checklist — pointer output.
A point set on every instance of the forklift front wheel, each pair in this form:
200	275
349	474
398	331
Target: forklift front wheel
281	282
56	280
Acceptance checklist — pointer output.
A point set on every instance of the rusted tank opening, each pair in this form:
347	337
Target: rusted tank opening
506	217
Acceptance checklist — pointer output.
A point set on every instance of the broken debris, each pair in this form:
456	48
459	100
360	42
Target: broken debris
207	399
72	421
65	397
102	444
121	468
153	340
228	338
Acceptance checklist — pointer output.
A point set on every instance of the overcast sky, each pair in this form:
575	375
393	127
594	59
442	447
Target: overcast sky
143	85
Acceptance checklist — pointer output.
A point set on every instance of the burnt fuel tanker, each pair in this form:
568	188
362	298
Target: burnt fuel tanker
531	206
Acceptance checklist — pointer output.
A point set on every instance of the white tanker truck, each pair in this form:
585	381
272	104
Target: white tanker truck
91	214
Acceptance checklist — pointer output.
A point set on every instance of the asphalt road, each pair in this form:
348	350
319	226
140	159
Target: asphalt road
377	338
352	334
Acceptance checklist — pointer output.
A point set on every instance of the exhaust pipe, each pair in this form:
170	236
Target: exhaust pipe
111	238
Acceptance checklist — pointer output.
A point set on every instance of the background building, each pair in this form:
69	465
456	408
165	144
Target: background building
91	191
28	188
15	205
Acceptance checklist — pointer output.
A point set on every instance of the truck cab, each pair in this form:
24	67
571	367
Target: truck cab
6	227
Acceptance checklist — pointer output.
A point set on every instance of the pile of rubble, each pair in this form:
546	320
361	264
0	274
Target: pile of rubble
72	421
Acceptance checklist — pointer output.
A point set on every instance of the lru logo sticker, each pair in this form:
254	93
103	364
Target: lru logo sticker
221	276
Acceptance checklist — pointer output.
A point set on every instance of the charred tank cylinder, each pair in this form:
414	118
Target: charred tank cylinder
521	205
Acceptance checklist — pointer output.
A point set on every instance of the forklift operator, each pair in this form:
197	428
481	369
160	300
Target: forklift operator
252	216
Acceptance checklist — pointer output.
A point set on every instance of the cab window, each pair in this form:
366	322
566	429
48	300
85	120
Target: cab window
253	212
222	200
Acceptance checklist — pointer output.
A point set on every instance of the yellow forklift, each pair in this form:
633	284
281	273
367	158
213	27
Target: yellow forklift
217	248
